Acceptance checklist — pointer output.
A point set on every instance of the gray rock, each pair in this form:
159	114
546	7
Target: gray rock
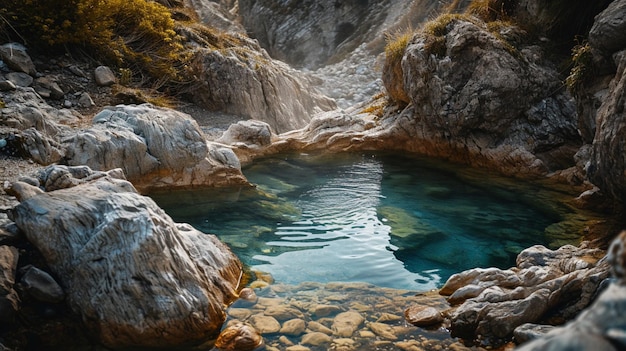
9	301
51	85
40	148
85	100
20	79
7	85
245	81
156	147
478	95
530	331
129	271
104	76
239	337
15	56
495	302
250	132
608	33
41	285
607	166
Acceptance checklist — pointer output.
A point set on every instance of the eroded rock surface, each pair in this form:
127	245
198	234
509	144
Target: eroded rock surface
545	283
134	276
155	147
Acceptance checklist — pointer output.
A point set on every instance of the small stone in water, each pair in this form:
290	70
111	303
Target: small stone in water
422	316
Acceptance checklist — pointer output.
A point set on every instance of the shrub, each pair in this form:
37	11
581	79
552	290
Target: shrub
582	60
134	34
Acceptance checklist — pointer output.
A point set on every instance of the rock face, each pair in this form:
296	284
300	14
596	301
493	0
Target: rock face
293	33
245	81
493	302
601	326
475	90
607	165
312	33
155	147
135	277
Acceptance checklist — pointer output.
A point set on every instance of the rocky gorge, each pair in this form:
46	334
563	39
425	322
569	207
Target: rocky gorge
470	86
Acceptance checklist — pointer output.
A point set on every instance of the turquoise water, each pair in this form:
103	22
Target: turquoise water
392	221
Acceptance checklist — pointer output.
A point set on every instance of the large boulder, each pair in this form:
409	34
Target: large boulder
156	147
479	89
245	81
135	277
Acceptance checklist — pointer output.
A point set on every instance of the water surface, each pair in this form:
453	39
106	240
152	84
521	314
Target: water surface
392	221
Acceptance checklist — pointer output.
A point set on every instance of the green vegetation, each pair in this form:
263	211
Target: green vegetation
135	34
397	43
582	66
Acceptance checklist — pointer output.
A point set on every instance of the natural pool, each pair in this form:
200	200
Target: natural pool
392	221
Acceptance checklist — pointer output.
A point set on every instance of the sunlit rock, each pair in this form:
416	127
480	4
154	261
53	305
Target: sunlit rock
239	337
422	316
293	327
316	339
245	81
156	147
136	278
265	324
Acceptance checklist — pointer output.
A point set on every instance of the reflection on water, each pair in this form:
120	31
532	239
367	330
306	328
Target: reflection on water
391	221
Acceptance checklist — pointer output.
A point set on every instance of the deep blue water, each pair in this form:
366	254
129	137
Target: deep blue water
393	221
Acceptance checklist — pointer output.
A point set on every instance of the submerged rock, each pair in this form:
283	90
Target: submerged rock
136	278
239	337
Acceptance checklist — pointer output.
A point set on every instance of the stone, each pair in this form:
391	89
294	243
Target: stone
247	298
293	327
155	147
9	300
383	330
85	100
40	147
41	285
344	344
297	348
23	191
422	316
346	323
316	339
607	164
7	85
530	331
252	85
319	327
20	79
51	85
265	324
128	270
608	33
283	312
15	56
388	318
104	76
249	132
239	337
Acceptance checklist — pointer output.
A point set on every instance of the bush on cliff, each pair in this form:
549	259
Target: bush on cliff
135	34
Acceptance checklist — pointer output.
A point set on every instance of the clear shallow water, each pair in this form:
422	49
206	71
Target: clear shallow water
392	221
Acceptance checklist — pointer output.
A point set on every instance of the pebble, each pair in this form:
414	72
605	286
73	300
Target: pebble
265	324
293	327
422	316
316	339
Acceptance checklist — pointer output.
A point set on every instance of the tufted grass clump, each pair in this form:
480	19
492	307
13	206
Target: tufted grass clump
491	10
134	34
397	43
436	31
582	60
